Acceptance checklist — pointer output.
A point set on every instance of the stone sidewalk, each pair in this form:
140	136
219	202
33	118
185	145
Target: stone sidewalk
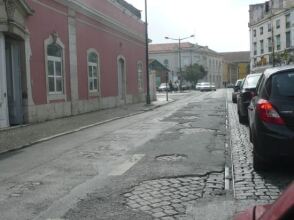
14	138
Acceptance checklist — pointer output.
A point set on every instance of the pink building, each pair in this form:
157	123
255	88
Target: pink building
62	57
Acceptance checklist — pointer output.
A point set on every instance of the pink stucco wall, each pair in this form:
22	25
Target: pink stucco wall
109	44
43	23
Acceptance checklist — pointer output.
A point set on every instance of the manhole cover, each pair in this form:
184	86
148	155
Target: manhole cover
172	157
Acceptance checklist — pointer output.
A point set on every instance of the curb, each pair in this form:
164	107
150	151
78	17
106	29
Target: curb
228	174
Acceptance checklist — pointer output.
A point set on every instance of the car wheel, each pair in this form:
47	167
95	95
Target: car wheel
242	119
234	100
259	164
250	135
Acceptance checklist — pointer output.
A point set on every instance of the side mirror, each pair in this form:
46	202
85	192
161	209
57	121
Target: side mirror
236	88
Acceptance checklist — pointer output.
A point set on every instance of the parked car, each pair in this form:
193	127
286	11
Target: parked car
271	117
206	86
184	87
282	208
163	87
230	85
247	91
236	90
198	85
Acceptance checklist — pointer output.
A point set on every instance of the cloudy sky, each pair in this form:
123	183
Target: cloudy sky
220	24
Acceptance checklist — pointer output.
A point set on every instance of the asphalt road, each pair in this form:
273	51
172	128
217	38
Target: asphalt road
164	164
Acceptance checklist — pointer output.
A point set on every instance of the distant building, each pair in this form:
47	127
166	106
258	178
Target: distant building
63	57
160	71
168	54
236	66
271	34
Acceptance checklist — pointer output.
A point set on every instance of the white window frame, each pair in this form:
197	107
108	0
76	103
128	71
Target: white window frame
95	91
51	96
55	76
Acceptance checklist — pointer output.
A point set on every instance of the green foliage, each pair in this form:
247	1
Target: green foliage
283	57
193	73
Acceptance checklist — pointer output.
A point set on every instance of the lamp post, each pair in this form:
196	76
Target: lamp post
148	100
180	61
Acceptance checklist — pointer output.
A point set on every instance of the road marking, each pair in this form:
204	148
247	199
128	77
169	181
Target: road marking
120	170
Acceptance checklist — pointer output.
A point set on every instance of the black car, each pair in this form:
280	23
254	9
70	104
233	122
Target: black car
236	88
247	91
271	117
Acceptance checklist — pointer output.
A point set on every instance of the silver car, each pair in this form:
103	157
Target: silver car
207	86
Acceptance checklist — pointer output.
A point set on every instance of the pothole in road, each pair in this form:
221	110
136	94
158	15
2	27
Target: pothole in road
195	130
186	118
20	189
168	198
171	157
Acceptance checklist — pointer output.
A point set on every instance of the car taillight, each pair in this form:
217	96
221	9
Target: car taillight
267	113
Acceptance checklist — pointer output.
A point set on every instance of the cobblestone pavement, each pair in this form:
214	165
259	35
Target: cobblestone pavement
248	184
168	198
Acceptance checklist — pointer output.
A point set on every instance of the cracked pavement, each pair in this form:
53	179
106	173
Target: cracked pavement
182	165
164	164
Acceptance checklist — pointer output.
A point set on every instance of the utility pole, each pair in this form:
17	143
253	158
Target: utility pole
180	59
148	100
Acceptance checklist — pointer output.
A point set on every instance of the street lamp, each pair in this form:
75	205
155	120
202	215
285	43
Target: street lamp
180	62
148	100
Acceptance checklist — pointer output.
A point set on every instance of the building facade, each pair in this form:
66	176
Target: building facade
60	58
271	34
168	54
236	66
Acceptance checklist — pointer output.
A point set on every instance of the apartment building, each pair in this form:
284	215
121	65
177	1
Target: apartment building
271	34
236	66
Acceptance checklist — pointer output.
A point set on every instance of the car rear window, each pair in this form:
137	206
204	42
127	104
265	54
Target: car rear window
251	81
283	85
238	83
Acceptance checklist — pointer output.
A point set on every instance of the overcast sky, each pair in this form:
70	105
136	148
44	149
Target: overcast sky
220	24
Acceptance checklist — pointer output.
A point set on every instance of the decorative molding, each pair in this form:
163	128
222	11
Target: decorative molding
53	38
10	9
102	18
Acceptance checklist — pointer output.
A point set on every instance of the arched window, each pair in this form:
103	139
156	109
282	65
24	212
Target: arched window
55	69
140	76
93	72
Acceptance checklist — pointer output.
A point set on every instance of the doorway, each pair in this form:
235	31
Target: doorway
14	83
121	79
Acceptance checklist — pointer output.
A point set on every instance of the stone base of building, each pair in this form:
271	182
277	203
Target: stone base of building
40	113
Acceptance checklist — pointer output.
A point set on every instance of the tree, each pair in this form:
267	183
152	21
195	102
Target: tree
193	73
283	58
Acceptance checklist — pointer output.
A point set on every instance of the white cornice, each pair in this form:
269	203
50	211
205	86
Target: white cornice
124	10
270	17
102	18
